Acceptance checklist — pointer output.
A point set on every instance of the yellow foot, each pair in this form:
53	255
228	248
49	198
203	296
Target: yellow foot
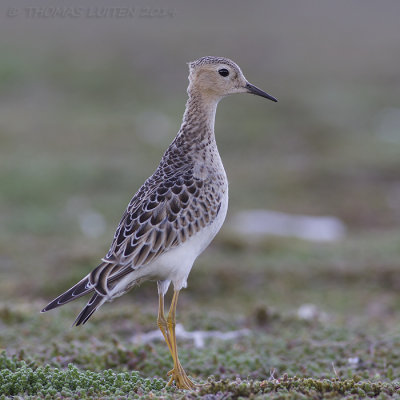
178	375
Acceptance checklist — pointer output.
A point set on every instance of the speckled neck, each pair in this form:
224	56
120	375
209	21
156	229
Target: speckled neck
199	117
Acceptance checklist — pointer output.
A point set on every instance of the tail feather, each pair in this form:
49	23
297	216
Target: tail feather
102	279
80	289
93	304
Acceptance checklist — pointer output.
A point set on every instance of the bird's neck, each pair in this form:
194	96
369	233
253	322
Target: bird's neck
199	117
195	142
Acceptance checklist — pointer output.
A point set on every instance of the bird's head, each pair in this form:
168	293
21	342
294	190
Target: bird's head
217	77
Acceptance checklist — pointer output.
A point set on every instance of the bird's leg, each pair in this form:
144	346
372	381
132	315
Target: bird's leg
178	374
167	328
162	322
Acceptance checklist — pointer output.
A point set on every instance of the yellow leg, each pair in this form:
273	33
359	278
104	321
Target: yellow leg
167	327
162	322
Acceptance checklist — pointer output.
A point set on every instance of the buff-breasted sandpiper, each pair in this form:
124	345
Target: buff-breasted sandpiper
176	213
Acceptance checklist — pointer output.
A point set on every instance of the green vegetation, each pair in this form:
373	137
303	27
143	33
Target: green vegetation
349	346
18	378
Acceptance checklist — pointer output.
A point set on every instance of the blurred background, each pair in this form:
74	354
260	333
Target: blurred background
92	93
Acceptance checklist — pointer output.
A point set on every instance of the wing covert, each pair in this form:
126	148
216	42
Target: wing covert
161	217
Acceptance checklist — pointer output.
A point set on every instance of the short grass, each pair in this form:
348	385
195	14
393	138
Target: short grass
350	346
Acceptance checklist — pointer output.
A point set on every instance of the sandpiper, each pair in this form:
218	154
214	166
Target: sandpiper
176	213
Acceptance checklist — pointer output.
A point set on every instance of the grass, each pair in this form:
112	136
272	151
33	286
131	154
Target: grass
18	378
284	357
349	347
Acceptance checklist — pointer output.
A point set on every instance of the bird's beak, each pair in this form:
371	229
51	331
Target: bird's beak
255	90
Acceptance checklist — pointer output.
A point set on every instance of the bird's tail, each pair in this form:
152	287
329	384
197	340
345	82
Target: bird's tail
80	289
101	280
93	304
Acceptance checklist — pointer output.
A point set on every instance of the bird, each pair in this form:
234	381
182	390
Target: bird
175	214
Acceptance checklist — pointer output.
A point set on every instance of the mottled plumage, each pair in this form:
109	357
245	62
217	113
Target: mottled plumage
177	211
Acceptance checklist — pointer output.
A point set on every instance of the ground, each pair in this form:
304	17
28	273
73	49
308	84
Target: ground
349	344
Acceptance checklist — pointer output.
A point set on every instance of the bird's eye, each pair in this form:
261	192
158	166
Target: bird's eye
223	72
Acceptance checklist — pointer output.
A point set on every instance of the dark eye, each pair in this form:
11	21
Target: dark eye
223	72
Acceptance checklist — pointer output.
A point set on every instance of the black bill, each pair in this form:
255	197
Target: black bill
255	90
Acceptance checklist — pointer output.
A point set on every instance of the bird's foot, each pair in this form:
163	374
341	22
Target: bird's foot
178	375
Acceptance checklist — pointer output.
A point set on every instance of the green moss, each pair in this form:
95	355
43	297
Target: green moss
21	378
295	388
18	378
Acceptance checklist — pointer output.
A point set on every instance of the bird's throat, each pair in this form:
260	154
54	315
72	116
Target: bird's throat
199	117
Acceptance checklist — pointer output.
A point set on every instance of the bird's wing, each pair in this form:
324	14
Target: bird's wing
93	304
78	290
83	287
163	214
